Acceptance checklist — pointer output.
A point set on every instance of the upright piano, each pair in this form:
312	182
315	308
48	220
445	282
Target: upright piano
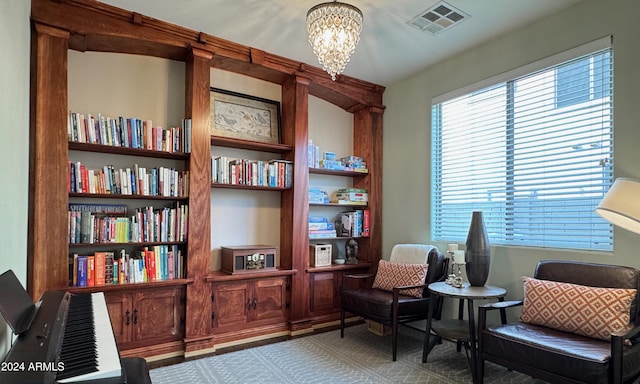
63	338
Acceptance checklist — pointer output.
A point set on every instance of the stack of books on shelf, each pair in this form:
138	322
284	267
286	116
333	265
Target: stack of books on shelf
321	228
274	173
328	160
354	223
318	196
352	196
98	223
128	132
135	180
354	163
160	262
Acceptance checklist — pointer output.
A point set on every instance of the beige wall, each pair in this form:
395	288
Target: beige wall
406	202
14	146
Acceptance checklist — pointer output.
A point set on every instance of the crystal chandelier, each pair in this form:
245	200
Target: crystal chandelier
334	30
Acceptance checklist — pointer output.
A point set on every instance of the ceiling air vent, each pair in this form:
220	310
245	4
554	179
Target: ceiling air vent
438	18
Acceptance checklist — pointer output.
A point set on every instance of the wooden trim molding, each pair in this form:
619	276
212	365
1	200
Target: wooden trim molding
96	26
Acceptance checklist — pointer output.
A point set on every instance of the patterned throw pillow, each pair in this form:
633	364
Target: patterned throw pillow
392	274
588	311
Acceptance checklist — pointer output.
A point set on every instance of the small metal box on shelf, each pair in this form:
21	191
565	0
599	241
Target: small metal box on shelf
248	258
320	255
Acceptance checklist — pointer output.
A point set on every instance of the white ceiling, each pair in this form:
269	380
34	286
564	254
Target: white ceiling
389	48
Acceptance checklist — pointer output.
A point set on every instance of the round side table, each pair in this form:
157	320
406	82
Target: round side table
459	330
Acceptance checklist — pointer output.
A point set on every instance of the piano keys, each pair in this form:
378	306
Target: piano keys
70	340
85	361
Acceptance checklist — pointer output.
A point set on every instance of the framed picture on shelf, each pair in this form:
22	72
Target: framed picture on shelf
245	117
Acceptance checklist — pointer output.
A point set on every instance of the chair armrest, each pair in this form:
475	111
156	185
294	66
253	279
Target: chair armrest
631	335
396	291
403	287
357	276
502	305
618	342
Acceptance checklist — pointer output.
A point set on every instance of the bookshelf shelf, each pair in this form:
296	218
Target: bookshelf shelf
131	286
250	145
362	206
339	267
250	187
119	196
337	238
219	276
141	244
98	148
336	172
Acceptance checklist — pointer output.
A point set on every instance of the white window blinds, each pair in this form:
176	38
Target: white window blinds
534	153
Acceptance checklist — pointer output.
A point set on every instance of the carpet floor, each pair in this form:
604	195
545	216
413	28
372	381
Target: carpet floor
361	357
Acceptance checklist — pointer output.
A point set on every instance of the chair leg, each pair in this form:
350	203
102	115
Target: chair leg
341	323
394	337
480	370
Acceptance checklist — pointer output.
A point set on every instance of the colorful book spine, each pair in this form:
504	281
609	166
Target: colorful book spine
100	259
366	223
91	271
82	271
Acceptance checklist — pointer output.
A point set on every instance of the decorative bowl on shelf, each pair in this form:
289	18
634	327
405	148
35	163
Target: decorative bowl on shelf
338	261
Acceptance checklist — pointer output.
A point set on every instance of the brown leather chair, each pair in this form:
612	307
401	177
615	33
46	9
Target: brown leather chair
558	356
393	308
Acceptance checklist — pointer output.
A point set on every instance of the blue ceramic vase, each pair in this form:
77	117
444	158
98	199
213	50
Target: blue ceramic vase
477	256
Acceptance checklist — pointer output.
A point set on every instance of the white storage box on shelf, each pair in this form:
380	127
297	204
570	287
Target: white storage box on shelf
319	255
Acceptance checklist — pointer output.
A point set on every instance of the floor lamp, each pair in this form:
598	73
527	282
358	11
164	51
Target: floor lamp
621	204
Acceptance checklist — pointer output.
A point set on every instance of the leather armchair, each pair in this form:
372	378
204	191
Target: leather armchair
394	308
558	356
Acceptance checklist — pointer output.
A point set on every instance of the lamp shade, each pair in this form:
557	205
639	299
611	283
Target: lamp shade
621	204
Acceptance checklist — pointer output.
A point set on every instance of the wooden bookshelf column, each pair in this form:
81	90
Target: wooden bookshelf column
47	239
367	132
293	241
197	108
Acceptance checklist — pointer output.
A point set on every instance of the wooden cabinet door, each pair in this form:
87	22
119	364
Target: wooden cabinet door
323	292
269	299
231	304
158	315
119	306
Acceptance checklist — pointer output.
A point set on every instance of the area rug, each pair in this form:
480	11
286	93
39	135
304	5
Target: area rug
358	358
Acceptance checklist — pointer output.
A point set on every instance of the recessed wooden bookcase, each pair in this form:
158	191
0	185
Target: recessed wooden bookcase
85	25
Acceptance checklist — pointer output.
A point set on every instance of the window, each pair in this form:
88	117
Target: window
533	152
583	80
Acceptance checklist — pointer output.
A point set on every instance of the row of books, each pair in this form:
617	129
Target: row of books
328	160
161	262
347	196
270	173
135	180
147	224
354	223
128	132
